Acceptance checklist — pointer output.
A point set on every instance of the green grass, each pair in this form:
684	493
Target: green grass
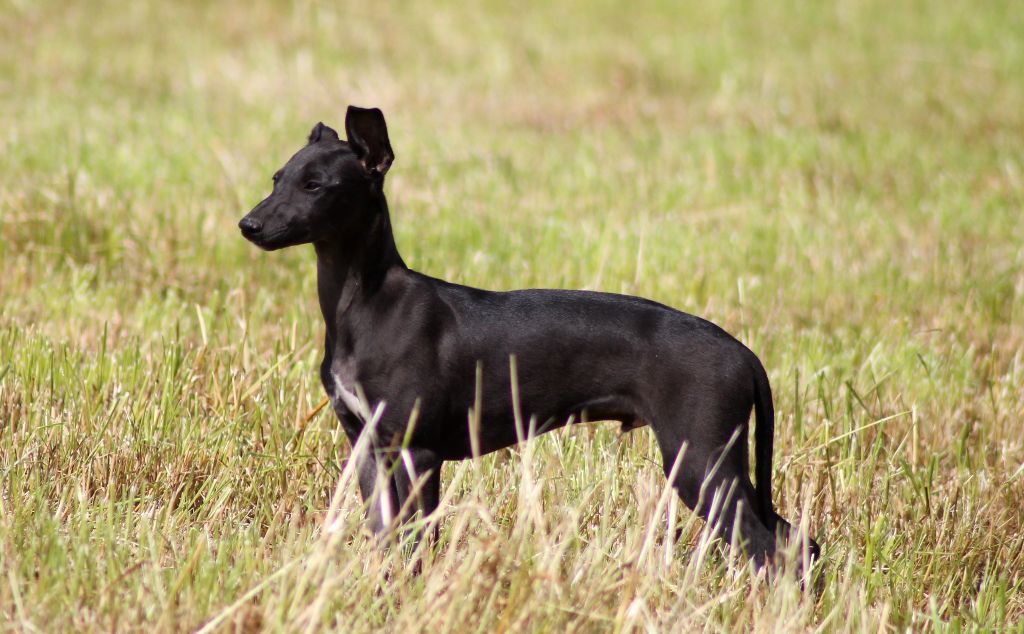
841	187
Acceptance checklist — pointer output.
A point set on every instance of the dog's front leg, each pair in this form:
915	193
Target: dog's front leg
376	483
377	487
418	484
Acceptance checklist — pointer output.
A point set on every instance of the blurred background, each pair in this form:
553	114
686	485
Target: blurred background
838	184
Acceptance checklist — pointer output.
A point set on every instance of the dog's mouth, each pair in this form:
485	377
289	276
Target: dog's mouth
272	241
267	243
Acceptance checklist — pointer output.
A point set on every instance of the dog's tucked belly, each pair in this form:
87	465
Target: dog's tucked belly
500	428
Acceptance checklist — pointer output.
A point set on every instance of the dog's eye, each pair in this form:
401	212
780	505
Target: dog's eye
312	186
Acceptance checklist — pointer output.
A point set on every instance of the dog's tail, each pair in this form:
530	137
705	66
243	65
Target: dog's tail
764	440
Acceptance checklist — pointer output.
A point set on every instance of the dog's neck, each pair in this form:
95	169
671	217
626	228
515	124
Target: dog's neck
351	268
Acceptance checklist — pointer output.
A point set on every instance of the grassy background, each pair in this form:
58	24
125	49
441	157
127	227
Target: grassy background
841	187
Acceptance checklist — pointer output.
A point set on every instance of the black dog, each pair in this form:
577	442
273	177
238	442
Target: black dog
428	351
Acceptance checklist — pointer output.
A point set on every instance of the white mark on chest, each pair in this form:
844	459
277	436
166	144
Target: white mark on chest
347	395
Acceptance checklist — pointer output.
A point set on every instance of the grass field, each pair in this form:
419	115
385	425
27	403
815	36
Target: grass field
841	187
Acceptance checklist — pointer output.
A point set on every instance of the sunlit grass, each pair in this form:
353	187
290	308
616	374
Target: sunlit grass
841	187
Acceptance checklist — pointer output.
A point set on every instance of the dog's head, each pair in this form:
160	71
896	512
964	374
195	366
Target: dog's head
325	188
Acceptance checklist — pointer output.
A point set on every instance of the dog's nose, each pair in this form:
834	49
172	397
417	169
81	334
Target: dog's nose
249	226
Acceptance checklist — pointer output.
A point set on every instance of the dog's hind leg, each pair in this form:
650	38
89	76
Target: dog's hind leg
712	476
790	534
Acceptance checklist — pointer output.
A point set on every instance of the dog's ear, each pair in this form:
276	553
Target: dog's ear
368	138
320	131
